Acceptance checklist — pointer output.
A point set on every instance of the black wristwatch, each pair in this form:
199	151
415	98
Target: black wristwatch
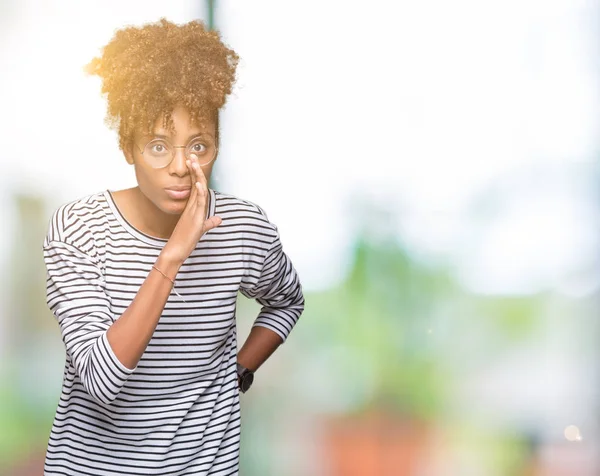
245	377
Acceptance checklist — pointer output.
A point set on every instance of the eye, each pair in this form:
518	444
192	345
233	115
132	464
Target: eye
157	148
198	148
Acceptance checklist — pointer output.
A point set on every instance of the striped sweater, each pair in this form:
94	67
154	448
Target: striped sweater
178	411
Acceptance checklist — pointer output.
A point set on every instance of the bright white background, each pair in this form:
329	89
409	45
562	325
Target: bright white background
473	123
423	106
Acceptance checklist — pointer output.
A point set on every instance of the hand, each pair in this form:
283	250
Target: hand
192	224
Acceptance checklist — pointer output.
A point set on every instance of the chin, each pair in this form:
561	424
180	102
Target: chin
172	207
168	206
164	203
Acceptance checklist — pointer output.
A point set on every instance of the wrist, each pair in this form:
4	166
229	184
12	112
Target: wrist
168	265
245	378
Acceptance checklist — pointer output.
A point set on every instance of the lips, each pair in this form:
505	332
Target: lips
178	193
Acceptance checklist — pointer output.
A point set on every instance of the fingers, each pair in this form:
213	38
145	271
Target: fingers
212	222
194	190
198	200
201	189
191	163
199	182
199	173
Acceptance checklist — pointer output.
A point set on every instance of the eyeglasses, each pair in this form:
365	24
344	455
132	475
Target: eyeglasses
159	153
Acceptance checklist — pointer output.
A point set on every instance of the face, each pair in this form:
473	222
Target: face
154	183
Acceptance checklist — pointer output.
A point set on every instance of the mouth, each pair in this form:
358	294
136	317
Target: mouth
178	193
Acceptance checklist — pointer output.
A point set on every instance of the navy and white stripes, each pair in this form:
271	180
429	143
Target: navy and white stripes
177	412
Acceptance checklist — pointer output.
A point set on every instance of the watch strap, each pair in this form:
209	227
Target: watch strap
245	377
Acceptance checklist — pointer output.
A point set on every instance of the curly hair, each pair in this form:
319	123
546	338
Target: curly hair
147	71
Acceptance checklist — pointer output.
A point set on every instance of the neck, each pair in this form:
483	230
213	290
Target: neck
150	219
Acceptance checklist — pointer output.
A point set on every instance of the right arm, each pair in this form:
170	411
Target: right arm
130	334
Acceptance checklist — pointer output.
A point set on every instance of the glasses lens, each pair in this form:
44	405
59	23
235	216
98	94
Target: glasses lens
202	147
158	153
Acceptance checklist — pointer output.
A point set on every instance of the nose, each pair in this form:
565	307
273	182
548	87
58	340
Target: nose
177	165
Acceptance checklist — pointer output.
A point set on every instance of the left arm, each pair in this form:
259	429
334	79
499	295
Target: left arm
277	288
259	346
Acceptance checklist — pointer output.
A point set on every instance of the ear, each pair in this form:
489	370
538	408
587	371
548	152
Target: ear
128	153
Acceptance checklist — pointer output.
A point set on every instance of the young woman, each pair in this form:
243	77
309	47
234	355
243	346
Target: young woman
143	282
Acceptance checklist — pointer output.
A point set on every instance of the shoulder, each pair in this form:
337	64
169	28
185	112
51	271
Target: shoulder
239	211
76	221
235	206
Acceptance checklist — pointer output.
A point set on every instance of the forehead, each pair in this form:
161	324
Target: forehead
180	124
181	121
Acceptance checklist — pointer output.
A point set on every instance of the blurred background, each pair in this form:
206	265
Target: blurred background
433	170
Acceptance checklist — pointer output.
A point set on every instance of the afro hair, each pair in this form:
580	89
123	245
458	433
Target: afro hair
149	70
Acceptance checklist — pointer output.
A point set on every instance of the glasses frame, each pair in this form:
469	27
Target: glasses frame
174	152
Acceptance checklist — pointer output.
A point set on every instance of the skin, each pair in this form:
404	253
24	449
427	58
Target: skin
148	207
151	210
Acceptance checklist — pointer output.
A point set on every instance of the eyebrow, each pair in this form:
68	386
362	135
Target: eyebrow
193	136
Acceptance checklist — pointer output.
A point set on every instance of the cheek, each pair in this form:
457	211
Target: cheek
147	183
144	179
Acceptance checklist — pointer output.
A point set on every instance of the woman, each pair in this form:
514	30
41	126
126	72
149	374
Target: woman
143	281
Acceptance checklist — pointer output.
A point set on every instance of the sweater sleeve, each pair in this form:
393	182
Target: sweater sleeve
75	293
276	286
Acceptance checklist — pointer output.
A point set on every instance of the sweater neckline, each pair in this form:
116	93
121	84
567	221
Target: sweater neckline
140	235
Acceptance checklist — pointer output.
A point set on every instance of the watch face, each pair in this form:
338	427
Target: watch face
246	381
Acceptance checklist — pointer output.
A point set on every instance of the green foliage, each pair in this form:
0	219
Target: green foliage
25	428
394	320
380	316
516	317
